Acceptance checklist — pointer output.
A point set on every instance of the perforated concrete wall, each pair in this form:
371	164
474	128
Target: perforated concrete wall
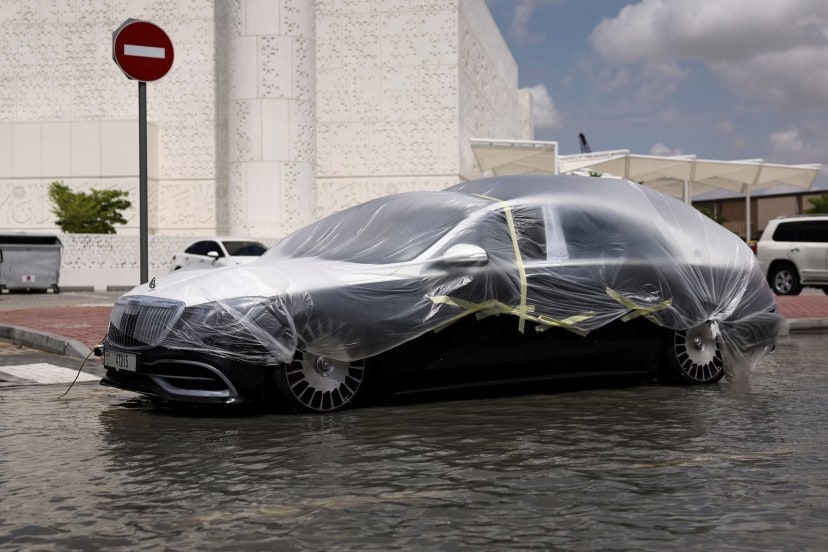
275	111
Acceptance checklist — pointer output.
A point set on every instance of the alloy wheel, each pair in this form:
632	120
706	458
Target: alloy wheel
783	282
322	384
698	354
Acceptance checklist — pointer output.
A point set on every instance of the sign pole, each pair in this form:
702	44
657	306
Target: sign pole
142	180
144	52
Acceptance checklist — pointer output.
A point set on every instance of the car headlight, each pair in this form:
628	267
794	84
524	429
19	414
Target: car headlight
252	328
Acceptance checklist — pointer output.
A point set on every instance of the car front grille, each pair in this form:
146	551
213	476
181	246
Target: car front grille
142	321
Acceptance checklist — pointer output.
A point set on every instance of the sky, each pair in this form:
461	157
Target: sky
719	79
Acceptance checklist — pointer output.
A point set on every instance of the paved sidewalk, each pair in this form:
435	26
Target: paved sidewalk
73	323
69	323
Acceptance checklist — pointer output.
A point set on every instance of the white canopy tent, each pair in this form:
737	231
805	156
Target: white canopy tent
507	157
686	176
681	176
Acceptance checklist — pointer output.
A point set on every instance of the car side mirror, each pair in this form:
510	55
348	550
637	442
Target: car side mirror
462	255
213	255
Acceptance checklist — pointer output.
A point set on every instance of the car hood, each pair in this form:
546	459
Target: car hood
267	278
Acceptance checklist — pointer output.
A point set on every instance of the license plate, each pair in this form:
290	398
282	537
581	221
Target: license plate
127	362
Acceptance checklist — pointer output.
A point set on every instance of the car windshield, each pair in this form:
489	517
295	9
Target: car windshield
244	248
386	230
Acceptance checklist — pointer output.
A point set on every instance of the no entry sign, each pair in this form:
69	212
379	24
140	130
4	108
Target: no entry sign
142	50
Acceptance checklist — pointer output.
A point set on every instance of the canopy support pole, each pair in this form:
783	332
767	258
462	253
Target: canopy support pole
747	202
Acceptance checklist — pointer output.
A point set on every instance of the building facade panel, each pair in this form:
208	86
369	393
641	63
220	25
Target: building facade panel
267	100
59	74
338	194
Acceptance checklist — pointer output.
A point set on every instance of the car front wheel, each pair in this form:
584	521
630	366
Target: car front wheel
784	279
695	356
313	383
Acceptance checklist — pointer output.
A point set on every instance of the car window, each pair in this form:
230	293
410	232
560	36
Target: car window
244	248
603	234
815	231
213	246
802	231
786	231
556	249
198	248
386	230
491	232
530	231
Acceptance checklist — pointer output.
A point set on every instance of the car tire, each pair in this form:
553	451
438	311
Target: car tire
784	279
694	356
316	384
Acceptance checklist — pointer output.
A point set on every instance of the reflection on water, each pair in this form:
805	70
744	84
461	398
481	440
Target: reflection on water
736	466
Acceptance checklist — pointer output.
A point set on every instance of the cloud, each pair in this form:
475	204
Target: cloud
790	79
806	143
544	113
660	149
659	79
728	128
776	51
786	141
522	12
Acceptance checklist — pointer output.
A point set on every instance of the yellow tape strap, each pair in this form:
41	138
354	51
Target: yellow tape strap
510	222
567	323
639	310
493	307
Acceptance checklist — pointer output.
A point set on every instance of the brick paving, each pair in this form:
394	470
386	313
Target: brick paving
85	324
795	307
88	324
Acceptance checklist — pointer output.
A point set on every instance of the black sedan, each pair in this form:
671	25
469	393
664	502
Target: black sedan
494	281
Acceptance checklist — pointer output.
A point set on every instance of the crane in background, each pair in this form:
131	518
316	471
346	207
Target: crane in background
584	144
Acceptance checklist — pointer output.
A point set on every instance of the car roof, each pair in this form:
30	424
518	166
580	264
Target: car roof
803	216
224	238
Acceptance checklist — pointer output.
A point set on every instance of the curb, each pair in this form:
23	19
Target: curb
45	341
806	324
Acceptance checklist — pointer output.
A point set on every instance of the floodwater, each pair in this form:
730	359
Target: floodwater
727	467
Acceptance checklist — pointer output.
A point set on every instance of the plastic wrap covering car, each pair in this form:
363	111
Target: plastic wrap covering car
576	253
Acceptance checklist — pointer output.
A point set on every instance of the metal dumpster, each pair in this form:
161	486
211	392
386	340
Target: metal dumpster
29	262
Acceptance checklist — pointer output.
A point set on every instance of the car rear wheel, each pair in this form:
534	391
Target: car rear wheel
313	383
784	279
695	356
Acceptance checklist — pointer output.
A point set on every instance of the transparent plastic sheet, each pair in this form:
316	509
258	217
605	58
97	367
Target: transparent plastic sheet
568	252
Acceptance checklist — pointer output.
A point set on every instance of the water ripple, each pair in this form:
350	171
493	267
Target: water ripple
727	467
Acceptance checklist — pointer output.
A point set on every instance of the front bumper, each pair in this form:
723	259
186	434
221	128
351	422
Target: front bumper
191	378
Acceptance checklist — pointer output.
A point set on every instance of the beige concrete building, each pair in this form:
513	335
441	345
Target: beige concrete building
275	111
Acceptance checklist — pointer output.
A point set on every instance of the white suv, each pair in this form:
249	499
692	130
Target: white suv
793	252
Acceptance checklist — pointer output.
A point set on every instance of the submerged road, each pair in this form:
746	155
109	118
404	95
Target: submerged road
736	466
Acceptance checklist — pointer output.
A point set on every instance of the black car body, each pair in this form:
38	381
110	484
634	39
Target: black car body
503	279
